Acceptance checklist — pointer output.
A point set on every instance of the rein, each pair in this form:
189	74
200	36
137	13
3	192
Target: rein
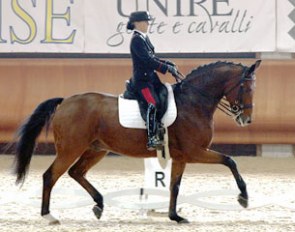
179	77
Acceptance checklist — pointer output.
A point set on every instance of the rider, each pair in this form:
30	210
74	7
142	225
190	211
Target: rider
145	65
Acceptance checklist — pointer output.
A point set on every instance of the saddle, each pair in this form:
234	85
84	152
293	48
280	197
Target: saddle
162	94
132	111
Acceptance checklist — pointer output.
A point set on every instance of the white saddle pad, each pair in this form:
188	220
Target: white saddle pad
130	117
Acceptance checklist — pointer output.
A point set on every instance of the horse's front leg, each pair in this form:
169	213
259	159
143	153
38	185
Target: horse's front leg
243	196
176	175
209	156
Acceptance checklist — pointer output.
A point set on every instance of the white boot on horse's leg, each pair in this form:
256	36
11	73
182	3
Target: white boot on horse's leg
52	220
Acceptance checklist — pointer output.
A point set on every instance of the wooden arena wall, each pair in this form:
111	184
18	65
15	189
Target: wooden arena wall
24	83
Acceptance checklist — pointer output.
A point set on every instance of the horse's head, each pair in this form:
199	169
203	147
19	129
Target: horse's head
239	94
210	83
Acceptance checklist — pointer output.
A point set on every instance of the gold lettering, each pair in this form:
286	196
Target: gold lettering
50	16
23	15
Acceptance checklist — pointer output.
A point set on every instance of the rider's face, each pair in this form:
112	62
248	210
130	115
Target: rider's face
142	26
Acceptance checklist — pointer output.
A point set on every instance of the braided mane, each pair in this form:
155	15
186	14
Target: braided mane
208	68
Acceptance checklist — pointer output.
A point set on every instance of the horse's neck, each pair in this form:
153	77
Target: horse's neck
198	102
206	89
207	104
204	96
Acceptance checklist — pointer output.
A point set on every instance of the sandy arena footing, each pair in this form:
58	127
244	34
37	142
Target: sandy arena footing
269	180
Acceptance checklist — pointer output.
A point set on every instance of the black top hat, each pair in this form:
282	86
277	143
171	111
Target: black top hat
139	16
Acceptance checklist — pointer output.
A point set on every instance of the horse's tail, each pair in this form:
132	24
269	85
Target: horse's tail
28	133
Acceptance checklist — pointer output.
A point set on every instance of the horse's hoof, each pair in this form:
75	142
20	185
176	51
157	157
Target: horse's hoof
243	201
97	211
183	221
179	220
56	222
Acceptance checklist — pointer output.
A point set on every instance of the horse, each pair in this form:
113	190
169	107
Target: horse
86	128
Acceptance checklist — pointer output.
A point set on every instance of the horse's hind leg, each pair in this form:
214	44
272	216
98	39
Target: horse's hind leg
78	172
58	168
209	156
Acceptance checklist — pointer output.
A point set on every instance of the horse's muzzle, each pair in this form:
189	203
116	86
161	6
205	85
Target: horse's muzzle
243	120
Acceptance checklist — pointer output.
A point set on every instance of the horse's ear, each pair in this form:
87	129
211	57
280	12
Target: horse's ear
257	64
254	66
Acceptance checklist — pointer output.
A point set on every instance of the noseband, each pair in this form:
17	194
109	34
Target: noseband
238	107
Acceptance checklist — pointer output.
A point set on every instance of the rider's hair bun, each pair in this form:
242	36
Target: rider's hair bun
130	26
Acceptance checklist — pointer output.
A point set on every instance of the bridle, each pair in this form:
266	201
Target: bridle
236	109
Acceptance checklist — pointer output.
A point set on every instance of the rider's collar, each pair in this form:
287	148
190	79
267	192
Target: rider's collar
141	33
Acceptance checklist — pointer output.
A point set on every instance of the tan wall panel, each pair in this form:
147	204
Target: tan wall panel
26	83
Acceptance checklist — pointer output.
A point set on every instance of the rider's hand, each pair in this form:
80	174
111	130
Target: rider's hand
172	70
169	62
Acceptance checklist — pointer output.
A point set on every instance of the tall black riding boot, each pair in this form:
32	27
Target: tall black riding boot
151	123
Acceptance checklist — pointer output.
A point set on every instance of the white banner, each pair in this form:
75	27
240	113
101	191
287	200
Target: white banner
185	25
286	26
99	26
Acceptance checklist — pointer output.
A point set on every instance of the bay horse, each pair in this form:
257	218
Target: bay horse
86	127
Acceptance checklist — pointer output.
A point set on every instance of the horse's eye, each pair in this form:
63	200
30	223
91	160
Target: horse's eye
235	108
